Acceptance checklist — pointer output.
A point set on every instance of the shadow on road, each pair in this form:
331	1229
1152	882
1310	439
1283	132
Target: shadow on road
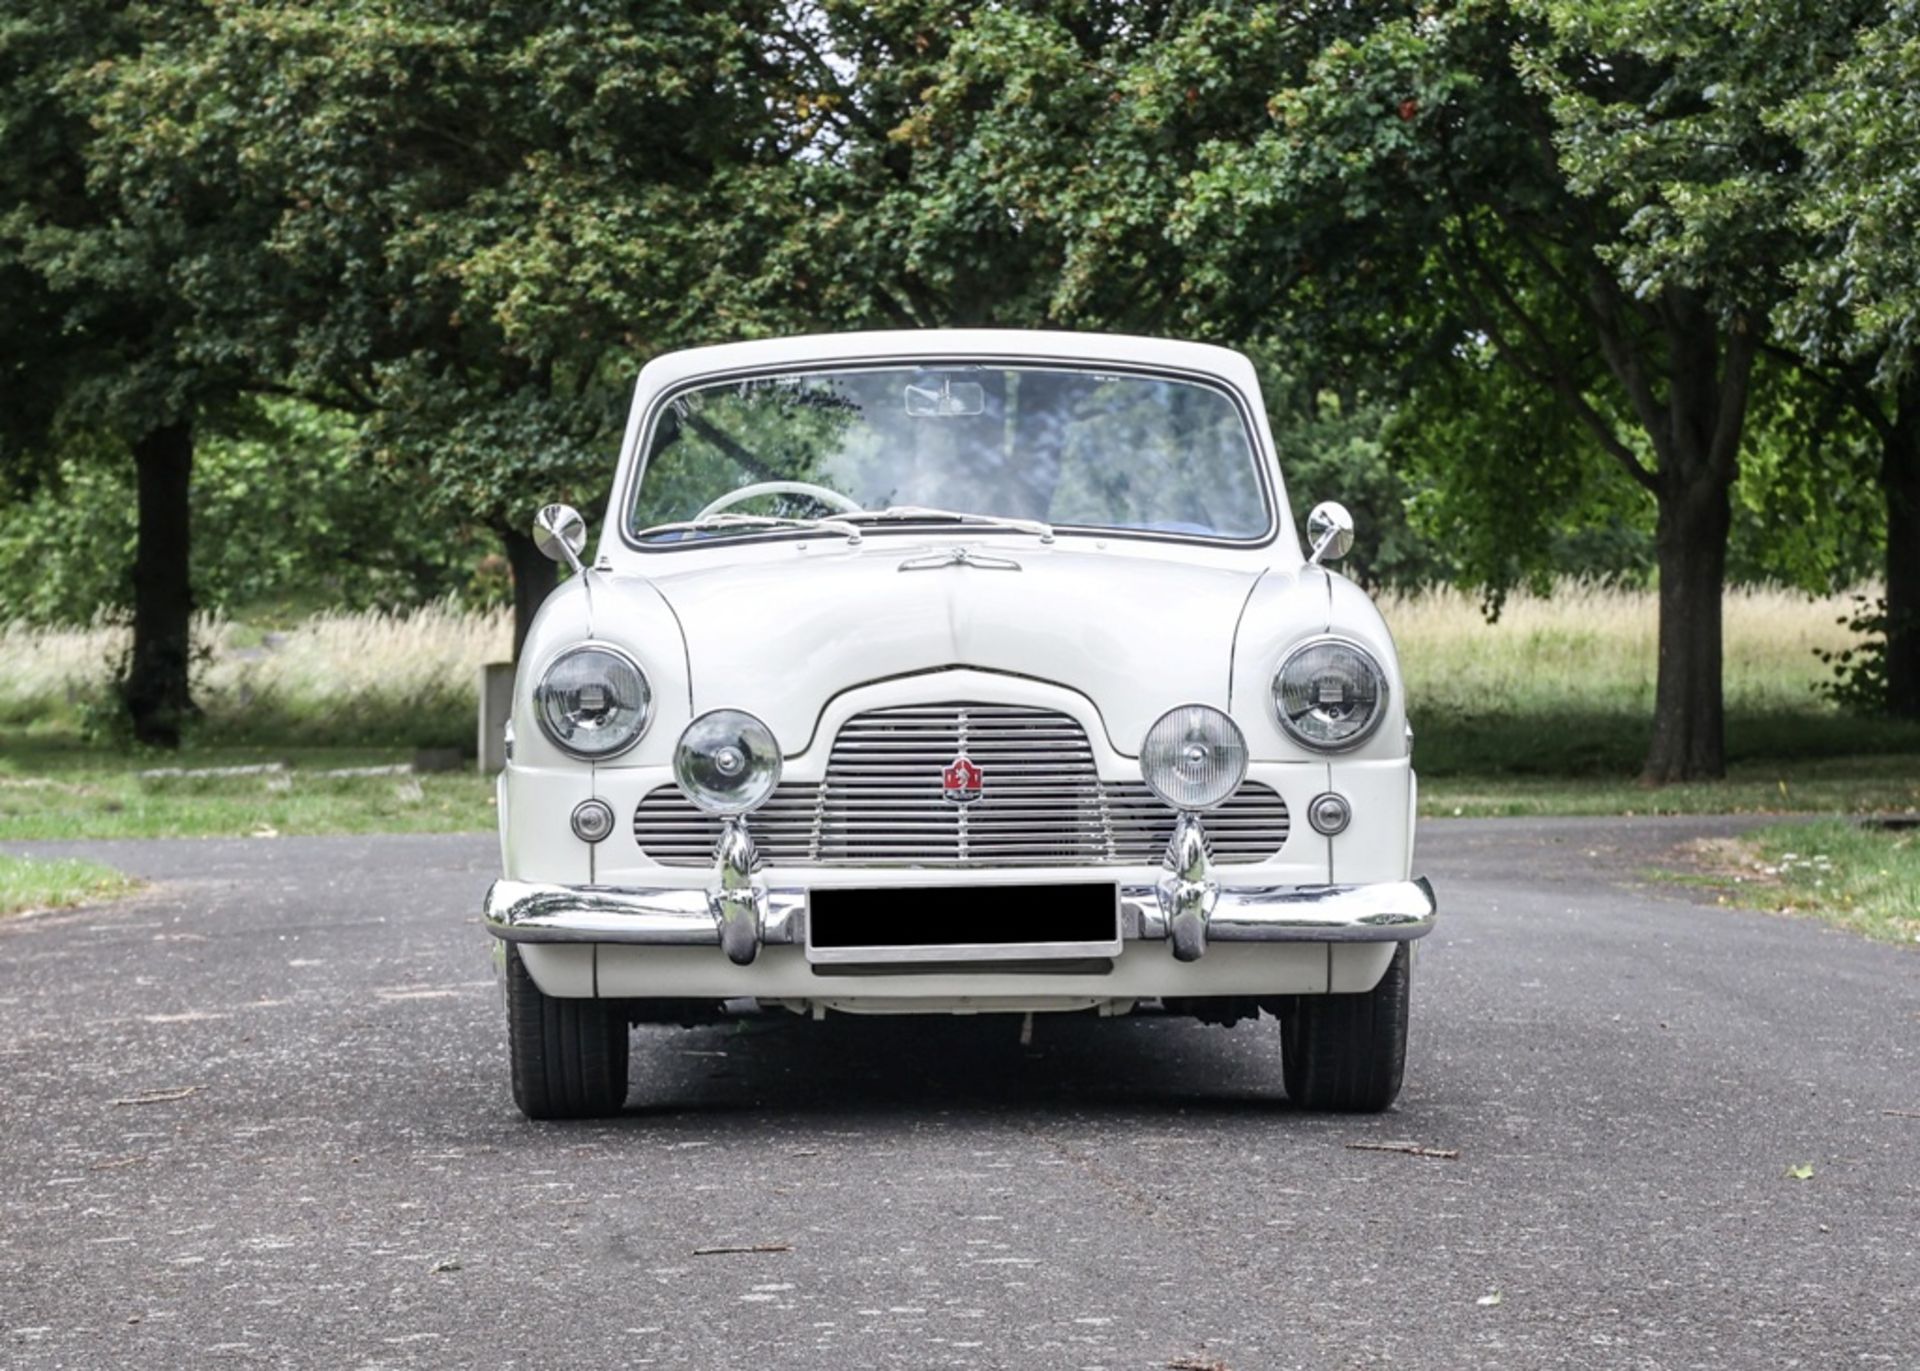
851	1066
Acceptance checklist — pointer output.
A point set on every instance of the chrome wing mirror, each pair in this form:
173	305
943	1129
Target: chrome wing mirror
561	535
1329	533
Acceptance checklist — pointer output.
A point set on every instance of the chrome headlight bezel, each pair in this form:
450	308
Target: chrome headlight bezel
540	699
1382	686
1231	737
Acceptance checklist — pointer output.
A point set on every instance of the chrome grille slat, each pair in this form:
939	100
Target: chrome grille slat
1043	803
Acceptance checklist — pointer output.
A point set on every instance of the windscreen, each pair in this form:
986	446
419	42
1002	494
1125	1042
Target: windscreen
1072	448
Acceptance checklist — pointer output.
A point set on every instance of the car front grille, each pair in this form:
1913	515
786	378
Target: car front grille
1041	804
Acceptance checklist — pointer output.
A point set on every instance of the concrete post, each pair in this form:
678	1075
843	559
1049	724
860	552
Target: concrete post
496	707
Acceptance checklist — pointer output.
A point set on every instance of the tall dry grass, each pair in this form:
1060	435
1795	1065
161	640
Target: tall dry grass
367	677
1586	651
1592	648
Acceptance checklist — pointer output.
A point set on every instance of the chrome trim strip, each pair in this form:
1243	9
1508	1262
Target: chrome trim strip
1390	911
961	555
531	912
525	911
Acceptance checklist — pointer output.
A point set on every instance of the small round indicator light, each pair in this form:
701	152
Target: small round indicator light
592	820
1329	814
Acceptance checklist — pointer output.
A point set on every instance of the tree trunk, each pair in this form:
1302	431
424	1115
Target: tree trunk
1697	437
534	577
1689	707
158	686
1900	475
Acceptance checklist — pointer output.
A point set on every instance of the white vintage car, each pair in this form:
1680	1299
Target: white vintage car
955	672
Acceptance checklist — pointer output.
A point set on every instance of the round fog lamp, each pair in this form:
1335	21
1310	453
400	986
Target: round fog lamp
1329	814
727	762
1194	757
592	820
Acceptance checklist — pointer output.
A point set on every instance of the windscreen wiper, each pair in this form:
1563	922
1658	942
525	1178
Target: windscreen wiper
922	514
722	523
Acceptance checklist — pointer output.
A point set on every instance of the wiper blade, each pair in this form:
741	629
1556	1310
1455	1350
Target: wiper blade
922	514
721	523
849	522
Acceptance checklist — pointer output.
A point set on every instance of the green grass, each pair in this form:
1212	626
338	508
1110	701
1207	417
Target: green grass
31	883
54	790
1540	740
1866	880
1544	767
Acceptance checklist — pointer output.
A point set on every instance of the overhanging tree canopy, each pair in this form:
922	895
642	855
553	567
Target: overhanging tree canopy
138	280
486	217
1521	171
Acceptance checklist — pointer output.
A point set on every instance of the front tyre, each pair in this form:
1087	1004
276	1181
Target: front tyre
1347	1053
569	1056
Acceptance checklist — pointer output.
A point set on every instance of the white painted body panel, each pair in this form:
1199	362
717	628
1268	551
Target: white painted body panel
1080	613
805	632
1143	971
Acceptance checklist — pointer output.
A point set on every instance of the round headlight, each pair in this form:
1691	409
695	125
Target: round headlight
593	701
1194	757
727	762
1330	694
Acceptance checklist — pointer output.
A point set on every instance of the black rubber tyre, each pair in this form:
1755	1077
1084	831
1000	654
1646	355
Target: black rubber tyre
1347	1053
569	1056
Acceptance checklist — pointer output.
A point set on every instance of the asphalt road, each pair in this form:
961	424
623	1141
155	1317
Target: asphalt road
1628	1077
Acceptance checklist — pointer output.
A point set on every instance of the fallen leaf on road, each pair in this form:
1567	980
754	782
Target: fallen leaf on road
748	1248
444	1264
1196	1364
1489	1301
1802	1172
1902	1113
1411	1149
159	1096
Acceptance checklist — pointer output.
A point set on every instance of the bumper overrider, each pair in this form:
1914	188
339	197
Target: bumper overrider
738	912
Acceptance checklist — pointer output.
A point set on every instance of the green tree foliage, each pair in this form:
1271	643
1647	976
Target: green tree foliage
1854	315
1013	166
485	217
1536	284
1555	215
139	284
1857	123
1333	444
283	515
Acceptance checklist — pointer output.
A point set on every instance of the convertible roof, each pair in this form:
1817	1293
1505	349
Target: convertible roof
828	349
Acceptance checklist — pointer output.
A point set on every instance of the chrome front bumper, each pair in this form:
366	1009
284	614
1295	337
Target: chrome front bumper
1394	911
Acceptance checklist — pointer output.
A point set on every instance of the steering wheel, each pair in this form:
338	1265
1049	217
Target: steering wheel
832	499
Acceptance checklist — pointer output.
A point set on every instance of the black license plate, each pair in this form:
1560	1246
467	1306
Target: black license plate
1063	920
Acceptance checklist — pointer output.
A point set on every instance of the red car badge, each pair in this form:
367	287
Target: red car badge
960	782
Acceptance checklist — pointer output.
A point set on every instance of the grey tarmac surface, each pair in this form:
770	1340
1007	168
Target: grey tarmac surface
1627	1076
